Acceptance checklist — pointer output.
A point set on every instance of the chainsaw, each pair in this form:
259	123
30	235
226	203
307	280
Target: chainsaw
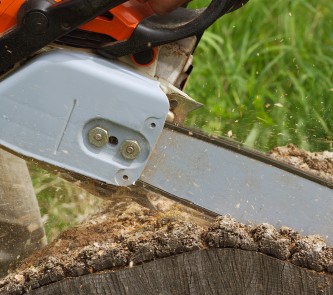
94	89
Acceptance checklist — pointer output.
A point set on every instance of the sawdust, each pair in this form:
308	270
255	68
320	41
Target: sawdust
135	227
317	163
128	234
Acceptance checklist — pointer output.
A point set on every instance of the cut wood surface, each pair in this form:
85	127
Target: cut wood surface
211	271
129	249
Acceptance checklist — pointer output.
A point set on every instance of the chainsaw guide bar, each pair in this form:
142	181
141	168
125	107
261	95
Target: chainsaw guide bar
98	114
222	176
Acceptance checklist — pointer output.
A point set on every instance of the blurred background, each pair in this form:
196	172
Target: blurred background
264	74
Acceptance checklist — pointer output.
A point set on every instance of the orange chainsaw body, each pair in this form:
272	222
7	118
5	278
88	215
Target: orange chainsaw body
119	24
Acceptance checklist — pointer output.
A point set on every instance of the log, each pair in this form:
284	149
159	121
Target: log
210	271
129	249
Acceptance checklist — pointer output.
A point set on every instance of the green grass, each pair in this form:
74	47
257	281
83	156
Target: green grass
61	203
265	73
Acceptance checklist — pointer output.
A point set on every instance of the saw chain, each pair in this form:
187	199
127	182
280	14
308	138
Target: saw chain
106	124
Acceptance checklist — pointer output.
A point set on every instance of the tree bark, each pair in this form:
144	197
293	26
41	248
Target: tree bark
21	230
211	271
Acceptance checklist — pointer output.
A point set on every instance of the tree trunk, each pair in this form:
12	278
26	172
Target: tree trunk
21	231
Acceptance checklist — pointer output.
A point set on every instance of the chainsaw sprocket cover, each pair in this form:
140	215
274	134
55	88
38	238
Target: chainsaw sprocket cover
83	114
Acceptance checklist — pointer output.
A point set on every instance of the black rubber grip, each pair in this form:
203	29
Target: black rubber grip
181	23
40	22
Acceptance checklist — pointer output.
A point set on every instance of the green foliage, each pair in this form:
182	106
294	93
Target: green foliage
61	203
265	73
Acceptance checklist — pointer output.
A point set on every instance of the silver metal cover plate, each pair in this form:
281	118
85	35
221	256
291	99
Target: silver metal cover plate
48	107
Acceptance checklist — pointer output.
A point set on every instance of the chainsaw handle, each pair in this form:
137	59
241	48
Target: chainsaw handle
157	30
40	22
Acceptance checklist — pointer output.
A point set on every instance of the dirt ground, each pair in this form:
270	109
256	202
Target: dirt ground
124	233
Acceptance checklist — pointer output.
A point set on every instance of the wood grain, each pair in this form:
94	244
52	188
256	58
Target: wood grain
210	271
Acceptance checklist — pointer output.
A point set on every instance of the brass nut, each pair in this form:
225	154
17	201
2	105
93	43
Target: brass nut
98	137
130	149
